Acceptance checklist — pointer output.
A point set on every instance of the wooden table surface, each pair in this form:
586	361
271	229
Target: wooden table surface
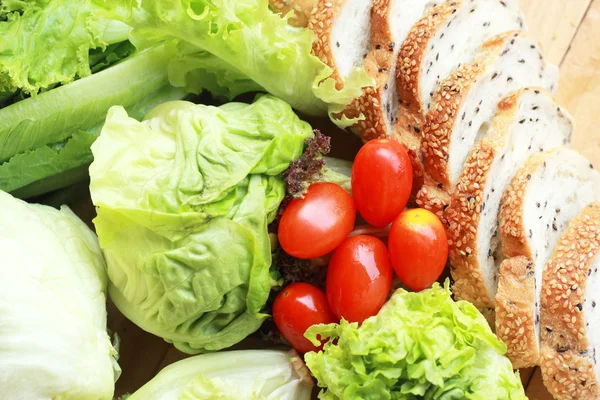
569	31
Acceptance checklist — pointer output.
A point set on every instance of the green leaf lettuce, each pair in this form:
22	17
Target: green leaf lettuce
251	40
184	199
420	346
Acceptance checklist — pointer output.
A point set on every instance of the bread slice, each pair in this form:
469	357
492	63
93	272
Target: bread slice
545	195
464	105
528	121
342	35
570	311
447	37
301	9
391	21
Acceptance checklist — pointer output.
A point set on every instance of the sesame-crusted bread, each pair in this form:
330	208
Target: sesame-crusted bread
448	36
570	311
301	8
342	35
543	197
464	105
391	21
528	121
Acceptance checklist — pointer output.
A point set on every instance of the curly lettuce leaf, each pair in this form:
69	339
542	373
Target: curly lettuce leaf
250	39
184	200
197	71
420	346
45	43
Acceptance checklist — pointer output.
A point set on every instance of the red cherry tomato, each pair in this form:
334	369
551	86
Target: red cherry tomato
298	307
418	248
315	225
359	278
382	178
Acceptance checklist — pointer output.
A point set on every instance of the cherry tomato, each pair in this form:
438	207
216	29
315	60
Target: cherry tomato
382	178
359	278
418	248
298	307
316	224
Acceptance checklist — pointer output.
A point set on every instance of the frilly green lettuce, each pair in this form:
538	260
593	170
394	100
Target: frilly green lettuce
44	43
420	346
184	199
250	40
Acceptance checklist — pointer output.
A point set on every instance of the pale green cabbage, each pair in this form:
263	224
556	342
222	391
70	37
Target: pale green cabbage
420	346
54	343
230	375
184	199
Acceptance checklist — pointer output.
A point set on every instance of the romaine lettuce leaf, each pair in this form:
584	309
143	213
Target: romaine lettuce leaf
52	307
420	346
249	38
184	199
258	374
51	134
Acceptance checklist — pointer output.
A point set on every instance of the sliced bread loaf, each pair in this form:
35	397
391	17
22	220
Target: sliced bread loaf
543	198
447	37
301	9
527	121
464	105
390	22
342	35
570	311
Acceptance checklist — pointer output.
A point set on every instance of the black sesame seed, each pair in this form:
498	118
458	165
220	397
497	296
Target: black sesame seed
385	87
494	76
593	304
538	204
417	129
548	329
522	61
579	306
528	177
537	92
509	79
535	108
337	44
378	47
437	57
522	121
391	46
470	123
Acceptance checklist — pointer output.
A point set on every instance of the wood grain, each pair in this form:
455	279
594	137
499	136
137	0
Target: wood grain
579	88
554	23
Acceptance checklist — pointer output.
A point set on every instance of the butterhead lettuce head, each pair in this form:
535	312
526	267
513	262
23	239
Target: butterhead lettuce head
420	346
184	199
53	336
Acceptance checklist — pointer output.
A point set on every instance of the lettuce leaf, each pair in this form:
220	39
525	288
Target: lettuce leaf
44	43
420	346
53	307
258	374
184	200
249	39
44	136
